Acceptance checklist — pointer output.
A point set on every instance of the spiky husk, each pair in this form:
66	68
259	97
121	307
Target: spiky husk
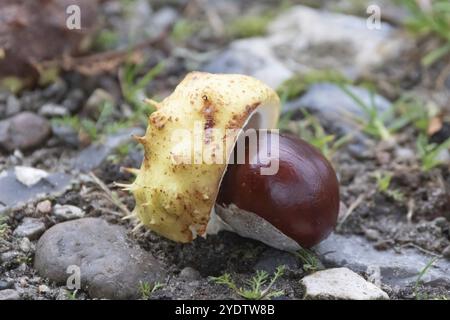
173	198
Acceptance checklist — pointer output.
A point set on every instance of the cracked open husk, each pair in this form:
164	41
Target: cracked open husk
178	182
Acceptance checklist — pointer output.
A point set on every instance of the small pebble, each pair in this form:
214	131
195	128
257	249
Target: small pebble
12	106
372	234
25	245
440	222
43	289
30	228
53	110
446	253
44	207
67	212
189	273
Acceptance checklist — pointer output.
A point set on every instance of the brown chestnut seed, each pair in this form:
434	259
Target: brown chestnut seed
301	200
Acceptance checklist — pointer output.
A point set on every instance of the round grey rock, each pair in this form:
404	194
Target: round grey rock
23	131
272	258
189	273
111	265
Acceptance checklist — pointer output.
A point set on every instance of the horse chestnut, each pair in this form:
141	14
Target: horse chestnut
301	200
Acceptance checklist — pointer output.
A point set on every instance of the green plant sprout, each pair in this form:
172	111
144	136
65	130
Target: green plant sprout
311	130
92	128
429	152
419	114
146	289
375	123
133	86
309	260
255	285
71	295
383	183
420	276
433	21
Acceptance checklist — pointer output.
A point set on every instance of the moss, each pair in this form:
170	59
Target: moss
249	26
106	39
184	29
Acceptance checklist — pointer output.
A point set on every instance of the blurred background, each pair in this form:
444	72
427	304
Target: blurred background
366	82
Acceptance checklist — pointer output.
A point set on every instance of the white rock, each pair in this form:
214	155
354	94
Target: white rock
303	39
25	245
321	39
67	212
29	176
9	294
340	283
43	288
53	110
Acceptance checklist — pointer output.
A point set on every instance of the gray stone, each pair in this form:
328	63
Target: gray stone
342	284
95	154
6	284
8	256
403	154
446	253
272	258
25	245
96	102
13	193
111	265
252	57
163	18
12	105
55	90
23	131
67	212
53	110
397	269
73	100
189	273
44	207
30	228
66	134
9	294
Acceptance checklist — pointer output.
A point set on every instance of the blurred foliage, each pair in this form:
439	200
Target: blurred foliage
431	18
310	130
133	87
310	262
429	153
249	26
184	28
383	180
106	40
299	83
